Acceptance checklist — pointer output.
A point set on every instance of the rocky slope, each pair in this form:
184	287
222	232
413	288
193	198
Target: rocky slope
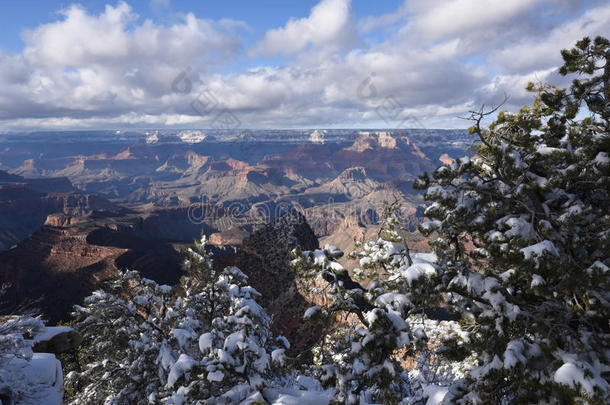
70	256
26	203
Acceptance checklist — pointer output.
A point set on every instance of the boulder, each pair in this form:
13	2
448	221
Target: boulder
56	340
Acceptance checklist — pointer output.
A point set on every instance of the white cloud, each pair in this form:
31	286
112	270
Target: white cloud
109	63
328	24
370	23
513	86
543	52
441	19
438	60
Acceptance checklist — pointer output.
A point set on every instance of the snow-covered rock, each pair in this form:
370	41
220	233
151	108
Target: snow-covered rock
28	378
192	136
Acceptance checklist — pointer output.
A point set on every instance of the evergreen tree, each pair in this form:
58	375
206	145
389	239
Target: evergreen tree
123	331
144	343
364	359
524	239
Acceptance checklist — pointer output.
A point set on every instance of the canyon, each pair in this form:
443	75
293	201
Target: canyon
76	207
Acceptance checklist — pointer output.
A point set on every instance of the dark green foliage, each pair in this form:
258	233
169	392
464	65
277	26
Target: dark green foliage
524	241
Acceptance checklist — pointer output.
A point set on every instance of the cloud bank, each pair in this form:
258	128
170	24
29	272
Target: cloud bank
426	62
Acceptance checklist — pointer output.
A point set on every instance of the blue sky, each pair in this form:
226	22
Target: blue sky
277	64
261	15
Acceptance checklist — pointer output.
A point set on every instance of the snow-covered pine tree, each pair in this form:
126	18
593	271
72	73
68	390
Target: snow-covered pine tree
205	341
356	360
364	360
198	289
123	330
237	352
228	355
524	240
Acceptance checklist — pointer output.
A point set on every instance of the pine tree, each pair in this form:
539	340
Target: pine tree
206	340
238	350
524	239
363	360
123	331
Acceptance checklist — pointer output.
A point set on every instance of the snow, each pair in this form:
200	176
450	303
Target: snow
295	397
262	363
487	287
319	257
254	399
205	342
571	375
317	136
393	301
571	212
278	356
581	375
417	271
236	272
224	356
424	257
184	364
513	354
333	251
520	227
166	358
215	376
537	280
540	181
308	383
44	368
389	367
235	395
518	162
49	332
431	208
41	372
482	371
311	311
602	159
140	300
183	336
179	398
420	334
192	137
598	266
431	226
438	192
435	394
234	341
505	276
335	266
283	341
547	150
305	391
152	139
165	289
539	249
